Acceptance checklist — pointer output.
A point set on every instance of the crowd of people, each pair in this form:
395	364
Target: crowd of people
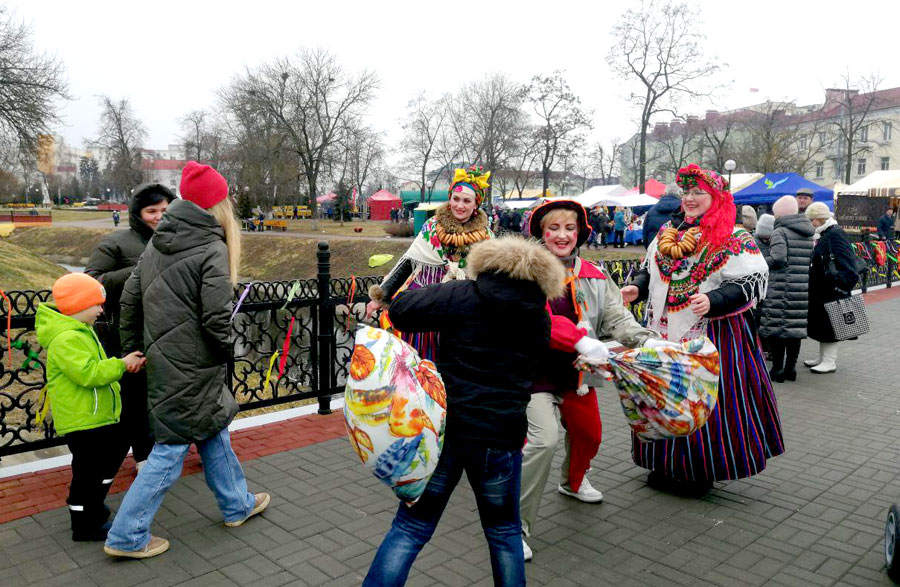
503	317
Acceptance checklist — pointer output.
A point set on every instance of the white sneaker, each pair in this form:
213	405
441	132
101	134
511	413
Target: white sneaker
585	493
527	549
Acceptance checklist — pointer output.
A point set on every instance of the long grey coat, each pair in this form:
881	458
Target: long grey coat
784	312
176	307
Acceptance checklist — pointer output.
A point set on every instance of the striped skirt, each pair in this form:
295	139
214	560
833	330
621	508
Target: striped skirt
744	429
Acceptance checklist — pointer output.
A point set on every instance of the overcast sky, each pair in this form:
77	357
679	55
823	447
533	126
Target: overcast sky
170	57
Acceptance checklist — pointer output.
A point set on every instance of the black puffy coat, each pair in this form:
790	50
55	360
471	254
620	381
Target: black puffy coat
176	307
112	262
783	315
658	215
495	331
832	276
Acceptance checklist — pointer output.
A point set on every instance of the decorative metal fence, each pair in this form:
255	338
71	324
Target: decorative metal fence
322	310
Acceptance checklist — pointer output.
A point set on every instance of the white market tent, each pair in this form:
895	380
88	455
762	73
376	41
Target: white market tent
876	180
630	200
595	195
741	180
518	204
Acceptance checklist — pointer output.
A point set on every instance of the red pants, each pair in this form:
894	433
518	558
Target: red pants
580	415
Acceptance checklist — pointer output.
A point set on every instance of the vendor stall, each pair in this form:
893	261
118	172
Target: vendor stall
772	186
381	203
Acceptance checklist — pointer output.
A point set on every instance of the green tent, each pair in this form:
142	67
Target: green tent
413	196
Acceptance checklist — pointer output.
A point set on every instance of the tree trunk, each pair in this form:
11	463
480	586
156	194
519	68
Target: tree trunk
642	156
313	204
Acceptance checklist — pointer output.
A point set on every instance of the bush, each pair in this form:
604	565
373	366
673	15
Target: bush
400	229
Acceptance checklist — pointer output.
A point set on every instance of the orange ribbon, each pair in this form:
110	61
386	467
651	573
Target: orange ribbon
8	328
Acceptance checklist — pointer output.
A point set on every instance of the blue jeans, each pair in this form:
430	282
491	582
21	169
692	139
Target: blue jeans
224	476
495	476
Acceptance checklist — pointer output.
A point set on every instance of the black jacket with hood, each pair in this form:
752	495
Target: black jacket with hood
176	308
114	259
658	215
495	331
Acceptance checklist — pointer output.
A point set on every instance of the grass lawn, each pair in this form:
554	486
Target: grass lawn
369	227
21	269
81	215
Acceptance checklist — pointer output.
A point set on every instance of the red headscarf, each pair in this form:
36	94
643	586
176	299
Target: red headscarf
717	224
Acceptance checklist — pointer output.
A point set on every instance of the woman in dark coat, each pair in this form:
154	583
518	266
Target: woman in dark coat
783	317
832	276
111	263
176	307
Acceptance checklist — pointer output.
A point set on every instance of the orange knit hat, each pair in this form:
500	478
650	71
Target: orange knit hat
75	292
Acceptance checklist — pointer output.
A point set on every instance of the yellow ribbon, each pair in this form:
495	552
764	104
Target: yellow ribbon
42	414
269	372
478	180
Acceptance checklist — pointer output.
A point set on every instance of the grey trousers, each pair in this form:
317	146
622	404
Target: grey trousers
537	457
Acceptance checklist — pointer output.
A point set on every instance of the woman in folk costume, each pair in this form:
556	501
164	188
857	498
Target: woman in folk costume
591	305
439	252
701	277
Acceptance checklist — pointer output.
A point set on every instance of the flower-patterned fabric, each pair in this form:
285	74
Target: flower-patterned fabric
395	409
667	391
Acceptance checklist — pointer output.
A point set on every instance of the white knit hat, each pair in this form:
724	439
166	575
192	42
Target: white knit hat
818	210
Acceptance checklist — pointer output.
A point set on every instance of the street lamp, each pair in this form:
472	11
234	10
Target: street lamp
730	166
107	194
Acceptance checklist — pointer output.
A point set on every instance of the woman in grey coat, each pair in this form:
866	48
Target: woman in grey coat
784	313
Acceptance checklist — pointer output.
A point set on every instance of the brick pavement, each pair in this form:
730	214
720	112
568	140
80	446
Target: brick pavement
814	517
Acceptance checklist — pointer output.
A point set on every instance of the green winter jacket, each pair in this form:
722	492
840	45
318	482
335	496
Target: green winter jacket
82	384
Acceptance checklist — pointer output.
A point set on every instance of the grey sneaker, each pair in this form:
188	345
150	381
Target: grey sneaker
262	502
585	493
156	546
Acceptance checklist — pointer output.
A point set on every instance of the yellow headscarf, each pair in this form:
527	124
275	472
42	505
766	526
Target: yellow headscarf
475	177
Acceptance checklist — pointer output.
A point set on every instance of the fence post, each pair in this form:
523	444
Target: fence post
326	328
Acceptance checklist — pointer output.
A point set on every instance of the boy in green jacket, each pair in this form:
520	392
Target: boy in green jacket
83	389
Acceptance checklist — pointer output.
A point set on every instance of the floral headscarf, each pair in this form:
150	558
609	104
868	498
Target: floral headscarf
718	222
473	180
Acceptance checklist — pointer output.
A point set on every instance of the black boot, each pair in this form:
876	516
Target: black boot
792	350
89	526
776	352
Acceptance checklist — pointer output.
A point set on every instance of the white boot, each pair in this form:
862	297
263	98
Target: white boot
527	551
814	362
829	359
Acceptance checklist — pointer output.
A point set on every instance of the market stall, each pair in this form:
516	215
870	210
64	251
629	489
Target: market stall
381	203
772	186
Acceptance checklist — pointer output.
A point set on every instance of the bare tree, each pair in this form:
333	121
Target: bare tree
607	160
32	83
194	132
490	110
660	46
122	135
363	149
422	128
678	143
853	108
311	99
525	161
560	118
718	140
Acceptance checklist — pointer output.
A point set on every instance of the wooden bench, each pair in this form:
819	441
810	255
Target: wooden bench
276	225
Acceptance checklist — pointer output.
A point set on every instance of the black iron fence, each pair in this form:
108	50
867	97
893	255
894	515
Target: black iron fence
319	314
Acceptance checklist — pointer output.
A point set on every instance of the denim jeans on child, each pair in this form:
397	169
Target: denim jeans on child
495	476
224	476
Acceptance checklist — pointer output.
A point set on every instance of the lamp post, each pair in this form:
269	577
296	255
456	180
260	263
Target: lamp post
730	166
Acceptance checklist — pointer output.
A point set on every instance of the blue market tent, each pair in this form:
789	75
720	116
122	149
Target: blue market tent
772	186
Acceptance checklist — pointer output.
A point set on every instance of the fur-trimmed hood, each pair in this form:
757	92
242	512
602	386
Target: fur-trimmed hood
519	259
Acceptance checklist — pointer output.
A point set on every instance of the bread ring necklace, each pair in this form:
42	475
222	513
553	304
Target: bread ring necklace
677	248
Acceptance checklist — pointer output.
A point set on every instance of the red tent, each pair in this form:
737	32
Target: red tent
381	203
651	188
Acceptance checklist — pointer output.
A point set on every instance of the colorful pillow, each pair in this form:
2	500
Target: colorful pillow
668	390
395	409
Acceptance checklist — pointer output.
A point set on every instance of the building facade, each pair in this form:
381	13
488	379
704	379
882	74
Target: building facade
818	141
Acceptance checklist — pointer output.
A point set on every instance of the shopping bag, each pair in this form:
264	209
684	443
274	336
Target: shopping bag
848	317
395	409
667	390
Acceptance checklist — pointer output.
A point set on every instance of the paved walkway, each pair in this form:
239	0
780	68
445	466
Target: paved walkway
814	517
